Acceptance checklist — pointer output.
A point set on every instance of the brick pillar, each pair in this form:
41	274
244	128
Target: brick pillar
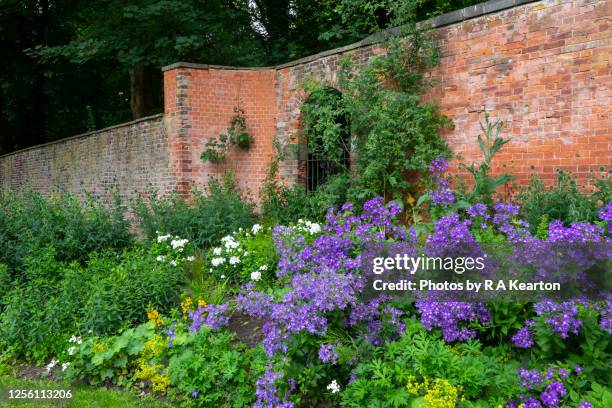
178	110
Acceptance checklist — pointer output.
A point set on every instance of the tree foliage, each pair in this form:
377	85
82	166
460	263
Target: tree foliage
72	66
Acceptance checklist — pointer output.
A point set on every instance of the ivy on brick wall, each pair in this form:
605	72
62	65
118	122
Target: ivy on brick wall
237	135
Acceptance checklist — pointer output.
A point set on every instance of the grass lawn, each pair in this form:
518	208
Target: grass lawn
83	396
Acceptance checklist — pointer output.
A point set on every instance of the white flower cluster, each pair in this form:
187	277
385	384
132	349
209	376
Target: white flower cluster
177	244
76	340
310	227
162	238
231	253
229	242
256	276
333	387
231	247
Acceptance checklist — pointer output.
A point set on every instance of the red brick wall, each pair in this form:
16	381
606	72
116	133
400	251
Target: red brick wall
199	104
132	157
543	67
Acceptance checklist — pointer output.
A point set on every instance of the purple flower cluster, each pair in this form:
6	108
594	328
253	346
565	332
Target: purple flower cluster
171	334
606	316
546	389
505	219
560	317
322	278
448	316
605	213
213	316
438	166
443	195
577	232
480	212
324	287
523	338
265	390
552	395
451	235
328	353
530	379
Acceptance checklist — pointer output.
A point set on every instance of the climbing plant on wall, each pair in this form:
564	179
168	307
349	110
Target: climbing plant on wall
237	135
395	134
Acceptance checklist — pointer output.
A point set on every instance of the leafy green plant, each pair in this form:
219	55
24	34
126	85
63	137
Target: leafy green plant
102	360
237	135
55	300
484	185
203	219
212	370
30	221
564	201
402	373
395	134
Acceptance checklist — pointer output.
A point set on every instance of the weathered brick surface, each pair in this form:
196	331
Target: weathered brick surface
199	104
542	67
133	157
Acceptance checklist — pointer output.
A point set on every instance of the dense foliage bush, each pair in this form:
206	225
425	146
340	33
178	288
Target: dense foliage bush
282	204
203	219
30	221
564	201
390	131
422	365
213	370
53	300
185	355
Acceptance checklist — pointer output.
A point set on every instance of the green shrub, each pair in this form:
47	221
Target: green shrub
419	364
203	220
104	359
285	205
54	300
221	373
565	201
395	133
30	221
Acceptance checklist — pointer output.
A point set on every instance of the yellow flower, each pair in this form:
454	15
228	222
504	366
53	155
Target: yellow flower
153	316
413	386
410	200
442	394
152	348
160	383
187	305
201	303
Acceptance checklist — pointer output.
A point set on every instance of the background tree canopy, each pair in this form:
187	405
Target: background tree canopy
72	66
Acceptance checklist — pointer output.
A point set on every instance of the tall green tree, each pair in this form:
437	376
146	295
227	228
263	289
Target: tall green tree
140	36
44	101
